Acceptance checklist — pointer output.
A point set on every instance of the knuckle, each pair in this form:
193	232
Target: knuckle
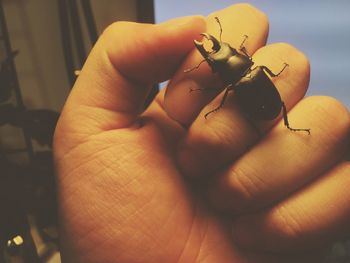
247	13
337	109
218	132
297	54
299	57
285	225
249	8
299	65
296	58
246	188
333	111
115	29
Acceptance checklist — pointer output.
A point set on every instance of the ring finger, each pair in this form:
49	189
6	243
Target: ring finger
281	164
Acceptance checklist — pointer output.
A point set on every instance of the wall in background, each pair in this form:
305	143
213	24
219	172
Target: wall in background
34	30
320	28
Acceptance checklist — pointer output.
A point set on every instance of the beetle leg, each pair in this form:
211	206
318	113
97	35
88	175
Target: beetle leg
196	67
274	74
248	72
227	90
286	123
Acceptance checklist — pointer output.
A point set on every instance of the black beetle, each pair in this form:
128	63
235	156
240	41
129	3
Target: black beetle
256	93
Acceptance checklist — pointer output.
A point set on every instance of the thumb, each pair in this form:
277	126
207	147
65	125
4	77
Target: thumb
120	70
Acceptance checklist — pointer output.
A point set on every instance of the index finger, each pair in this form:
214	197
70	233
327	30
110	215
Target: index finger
119	72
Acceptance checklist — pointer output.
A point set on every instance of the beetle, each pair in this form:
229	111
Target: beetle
255	91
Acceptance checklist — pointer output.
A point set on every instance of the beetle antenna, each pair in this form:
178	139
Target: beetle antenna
227	90
286	122
218	21
196	67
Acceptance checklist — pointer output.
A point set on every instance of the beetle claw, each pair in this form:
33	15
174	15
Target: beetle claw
216	44
206	35
198	43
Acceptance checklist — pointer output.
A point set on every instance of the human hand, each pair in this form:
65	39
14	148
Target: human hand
122	196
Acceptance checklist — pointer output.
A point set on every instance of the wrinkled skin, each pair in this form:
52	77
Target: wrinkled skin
123	174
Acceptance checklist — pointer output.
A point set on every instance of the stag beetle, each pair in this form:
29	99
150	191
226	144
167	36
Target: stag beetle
256	93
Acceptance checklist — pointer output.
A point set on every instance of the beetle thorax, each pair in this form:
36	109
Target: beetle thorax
229	63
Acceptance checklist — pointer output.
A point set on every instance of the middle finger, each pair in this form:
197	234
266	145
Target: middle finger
237	20
214	142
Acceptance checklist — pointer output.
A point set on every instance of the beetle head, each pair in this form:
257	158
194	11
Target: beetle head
216	45
219	54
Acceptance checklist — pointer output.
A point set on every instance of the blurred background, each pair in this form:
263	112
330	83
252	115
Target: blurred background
43	45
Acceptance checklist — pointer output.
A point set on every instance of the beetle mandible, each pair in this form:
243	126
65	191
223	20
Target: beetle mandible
256	93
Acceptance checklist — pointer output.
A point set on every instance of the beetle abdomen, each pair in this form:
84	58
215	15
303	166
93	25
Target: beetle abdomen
258	96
